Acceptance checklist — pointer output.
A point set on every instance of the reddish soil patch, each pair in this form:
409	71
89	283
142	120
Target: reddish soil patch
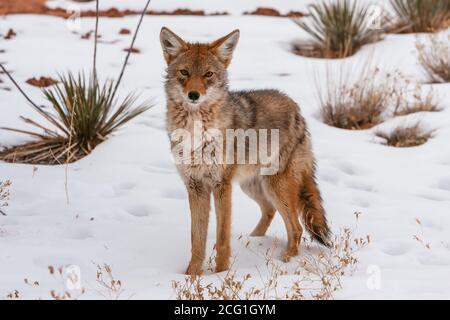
39	7
42	82
261	11
124	31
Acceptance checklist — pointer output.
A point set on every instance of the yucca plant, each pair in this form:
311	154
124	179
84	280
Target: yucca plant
82	114
339	28
420	15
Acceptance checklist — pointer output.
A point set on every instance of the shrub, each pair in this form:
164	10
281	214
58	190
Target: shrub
434	57
339	28
420	15
406	136
359	104
420	104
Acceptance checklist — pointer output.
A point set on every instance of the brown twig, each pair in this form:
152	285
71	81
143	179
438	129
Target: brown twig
130	49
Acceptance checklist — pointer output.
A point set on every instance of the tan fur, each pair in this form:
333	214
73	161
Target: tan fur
291	191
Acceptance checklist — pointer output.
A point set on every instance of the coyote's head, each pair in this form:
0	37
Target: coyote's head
197	72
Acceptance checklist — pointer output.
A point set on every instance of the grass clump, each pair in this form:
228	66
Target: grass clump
413	16
339	28
405	136
420	104
434	57
357	104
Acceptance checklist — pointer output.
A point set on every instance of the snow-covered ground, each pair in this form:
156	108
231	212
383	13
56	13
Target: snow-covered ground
126	206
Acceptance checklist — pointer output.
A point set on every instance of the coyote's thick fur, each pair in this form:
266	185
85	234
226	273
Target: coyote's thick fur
197	91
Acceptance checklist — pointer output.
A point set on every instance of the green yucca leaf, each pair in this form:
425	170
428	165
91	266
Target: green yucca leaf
84	113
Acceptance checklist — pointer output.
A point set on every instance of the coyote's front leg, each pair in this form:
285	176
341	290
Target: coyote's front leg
199	203
222	201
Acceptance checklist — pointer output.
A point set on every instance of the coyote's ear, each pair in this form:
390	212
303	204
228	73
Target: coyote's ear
172	44
224	47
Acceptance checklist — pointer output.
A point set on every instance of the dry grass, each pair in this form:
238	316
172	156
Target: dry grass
69	285
359	104
339	28
434	57
315	276
64	278
413	16
109	286
420	237
420	104
4	195
406	136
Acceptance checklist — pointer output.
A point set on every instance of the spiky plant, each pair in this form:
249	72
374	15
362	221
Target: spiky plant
339	28
420	15
83	114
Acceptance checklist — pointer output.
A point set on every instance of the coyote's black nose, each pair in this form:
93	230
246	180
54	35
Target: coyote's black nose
194	95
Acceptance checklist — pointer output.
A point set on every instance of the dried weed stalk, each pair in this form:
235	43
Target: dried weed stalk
315	276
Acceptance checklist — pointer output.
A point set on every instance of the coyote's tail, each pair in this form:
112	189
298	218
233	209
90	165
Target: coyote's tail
312	210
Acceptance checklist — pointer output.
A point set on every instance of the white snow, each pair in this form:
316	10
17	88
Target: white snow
126	206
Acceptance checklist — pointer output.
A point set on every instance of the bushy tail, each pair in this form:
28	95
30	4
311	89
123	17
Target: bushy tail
313	212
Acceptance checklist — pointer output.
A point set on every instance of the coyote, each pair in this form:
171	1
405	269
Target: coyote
197	91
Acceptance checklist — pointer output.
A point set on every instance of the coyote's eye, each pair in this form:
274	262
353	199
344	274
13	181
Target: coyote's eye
184	72
209	74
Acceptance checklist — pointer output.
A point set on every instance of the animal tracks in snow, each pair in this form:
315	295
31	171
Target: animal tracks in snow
444	184
396	248
140	210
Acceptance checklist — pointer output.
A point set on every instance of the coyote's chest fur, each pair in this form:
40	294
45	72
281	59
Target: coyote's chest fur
203	159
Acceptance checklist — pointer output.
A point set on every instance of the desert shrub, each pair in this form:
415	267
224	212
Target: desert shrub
83	114
434	57
420	15
4	195
359	103
405	136
339	28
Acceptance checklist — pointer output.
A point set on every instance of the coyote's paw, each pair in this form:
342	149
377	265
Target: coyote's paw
194	269
258	233
222	268
222	265
288	254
